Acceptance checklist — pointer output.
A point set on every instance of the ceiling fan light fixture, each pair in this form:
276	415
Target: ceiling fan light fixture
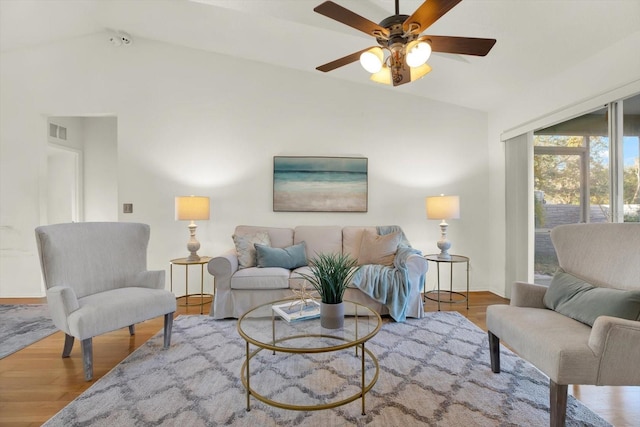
407	51
418	52
372	60
383	76
419	72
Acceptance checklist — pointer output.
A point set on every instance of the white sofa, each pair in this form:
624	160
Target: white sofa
240	289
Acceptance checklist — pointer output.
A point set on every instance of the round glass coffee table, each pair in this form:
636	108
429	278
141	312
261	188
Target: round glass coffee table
265	330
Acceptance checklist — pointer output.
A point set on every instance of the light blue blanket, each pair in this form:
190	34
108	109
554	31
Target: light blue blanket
389	285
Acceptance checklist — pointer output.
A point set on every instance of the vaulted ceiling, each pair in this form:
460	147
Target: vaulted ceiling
536	39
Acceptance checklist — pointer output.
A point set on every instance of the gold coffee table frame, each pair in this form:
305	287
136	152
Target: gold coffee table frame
356	342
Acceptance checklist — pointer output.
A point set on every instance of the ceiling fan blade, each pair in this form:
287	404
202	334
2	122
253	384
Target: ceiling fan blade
342	61
461	45
347	17
428	13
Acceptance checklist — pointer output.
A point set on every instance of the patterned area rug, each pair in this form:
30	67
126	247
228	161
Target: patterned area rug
22	325
433	371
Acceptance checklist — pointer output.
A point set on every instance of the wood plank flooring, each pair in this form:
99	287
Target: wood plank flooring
35	383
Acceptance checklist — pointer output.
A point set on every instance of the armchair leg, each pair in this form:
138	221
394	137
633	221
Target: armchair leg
87	358
168	324
68	345
494	351
558	403
132	329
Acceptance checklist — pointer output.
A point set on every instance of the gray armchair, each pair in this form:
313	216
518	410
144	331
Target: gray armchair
566	350
97	281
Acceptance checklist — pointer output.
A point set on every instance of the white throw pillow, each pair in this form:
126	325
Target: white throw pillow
245	248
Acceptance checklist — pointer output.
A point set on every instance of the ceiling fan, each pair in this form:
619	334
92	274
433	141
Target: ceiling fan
399	36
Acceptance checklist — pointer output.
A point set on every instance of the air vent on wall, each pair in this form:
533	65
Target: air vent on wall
58	132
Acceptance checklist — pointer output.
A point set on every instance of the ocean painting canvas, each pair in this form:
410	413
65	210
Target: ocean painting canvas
319	184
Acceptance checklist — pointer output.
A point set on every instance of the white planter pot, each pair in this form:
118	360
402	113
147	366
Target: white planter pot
332	315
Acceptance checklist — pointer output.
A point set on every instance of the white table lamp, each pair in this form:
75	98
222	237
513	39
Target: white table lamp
443	207
192	208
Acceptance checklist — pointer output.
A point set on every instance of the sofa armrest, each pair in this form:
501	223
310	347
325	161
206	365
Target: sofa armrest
617	342
527	295
222	268
153	279
417	265
62	301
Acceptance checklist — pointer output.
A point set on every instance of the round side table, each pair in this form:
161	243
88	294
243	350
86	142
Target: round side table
451	261
186	263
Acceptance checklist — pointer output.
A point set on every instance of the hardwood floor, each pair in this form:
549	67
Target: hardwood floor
35	383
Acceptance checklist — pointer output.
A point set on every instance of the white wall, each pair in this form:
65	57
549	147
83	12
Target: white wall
191	122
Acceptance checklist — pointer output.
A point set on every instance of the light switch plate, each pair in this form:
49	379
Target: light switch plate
127	208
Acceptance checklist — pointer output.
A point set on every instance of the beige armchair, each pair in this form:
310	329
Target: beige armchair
566	350
97	281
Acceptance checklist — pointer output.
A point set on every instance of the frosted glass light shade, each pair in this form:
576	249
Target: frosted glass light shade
383	76
443	207
417	53
192	208
419	72
372	59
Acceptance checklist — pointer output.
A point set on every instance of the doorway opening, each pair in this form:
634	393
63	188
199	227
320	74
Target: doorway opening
81	170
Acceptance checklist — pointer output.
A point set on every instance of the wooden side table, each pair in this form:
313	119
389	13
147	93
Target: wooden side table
453	260
202	262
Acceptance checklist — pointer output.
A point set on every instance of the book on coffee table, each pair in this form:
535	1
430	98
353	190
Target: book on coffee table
297	310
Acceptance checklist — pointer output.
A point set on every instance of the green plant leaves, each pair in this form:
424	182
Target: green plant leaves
331	274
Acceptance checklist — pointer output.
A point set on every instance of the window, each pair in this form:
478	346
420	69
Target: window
631	159
583	172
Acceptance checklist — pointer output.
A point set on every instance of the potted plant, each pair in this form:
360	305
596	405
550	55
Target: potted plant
331	273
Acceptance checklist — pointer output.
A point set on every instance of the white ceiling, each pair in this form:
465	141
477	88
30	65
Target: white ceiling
536	38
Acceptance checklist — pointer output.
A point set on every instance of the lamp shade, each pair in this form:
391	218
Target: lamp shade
372	59
443	207
192	208
418	53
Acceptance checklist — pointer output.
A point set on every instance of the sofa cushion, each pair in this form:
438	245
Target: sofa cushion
579	300
261	278
290	257
296	281
352	239
555	344
245	247
319	239
377	249
604	254
280	237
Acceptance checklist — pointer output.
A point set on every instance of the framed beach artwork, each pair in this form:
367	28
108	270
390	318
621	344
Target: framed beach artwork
319	184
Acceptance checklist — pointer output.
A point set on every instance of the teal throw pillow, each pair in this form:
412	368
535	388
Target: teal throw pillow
291	257
579	300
